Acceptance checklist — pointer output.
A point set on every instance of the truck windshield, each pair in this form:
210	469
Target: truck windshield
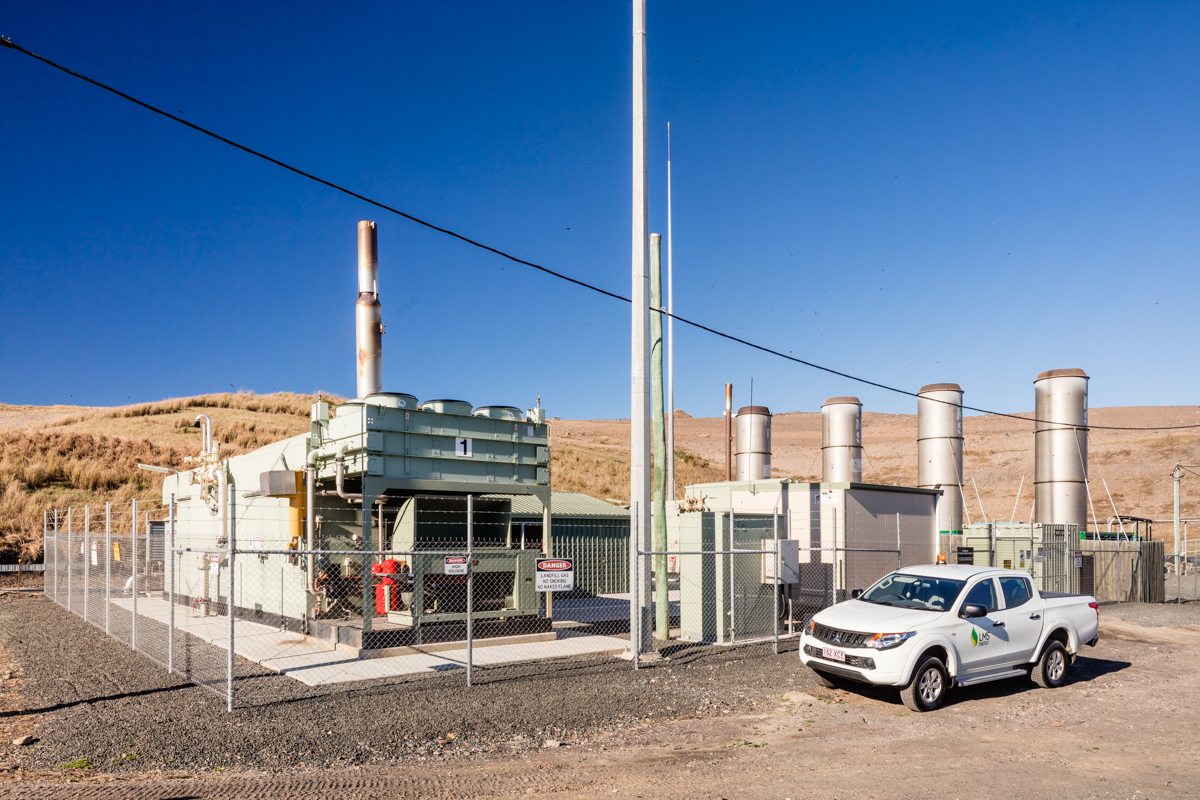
914	591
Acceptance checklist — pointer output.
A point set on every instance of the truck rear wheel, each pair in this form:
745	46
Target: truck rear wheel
927	689
1050	671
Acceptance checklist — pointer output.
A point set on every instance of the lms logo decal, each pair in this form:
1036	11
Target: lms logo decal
980	638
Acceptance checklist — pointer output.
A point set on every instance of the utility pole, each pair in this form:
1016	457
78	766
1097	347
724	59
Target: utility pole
662	623
1177	475
639	418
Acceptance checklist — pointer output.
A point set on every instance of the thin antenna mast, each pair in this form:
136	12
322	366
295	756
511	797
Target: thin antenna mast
670	338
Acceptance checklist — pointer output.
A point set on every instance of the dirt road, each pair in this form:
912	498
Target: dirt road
1126	726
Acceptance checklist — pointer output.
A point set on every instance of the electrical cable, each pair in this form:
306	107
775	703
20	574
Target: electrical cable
336	187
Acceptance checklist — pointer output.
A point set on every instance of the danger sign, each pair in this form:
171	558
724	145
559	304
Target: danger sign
456	565
554	575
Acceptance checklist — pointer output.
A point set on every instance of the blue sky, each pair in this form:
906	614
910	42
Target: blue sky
913	193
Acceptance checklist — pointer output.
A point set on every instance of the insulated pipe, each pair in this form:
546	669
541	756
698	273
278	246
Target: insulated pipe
340	462
310	522
206	432
368	320
223	491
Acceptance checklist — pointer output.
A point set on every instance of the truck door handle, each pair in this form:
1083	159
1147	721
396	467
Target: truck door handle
1035	616
997	624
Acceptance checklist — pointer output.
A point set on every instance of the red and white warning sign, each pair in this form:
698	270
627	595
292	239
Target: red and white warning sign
554	575
456	565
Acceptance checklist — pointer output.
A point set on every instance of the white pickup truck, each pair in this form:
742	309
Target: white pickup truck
924	629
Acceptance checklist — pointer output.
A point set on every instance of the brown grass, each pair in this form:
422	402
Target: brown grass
604	474
70	456
90	456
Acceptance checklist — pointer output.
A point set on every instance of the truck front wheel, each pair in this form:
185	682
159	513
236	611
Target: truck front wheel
1050	671
927	689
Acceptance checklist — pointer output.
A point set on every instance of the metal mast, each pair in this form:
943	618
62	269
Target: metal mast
670	338
639	418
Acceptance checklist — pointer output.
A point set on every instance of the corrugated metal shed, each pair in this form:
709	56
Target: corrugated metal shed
567	504
592	532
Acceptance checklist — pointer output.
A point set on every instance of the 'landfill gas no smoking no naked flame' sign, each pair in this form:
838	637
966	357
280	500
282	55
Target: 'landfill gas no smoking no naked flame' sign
554	575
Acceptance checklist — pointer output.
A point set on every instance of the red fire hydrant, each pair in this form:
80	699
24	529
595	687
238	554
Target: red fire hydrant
388	566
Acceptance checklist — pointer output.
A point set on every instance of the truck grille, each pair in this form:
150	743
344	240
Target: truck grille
840	638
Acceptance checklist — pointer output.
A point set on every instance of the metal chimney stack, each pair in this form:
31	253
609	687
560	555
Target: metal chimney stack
1060	436
753	456
940	449
841	440
368	320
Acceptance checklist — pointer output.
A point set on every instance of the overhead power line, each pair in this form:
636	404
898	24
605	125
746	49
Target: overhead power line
730	337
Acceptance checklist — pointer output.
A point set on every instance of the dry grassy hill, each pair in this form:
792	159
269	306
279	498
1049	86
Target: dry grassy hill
54	456
998	452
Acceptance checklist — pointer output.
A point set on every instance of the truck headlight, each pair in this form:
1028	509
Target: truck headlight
886	641
812	627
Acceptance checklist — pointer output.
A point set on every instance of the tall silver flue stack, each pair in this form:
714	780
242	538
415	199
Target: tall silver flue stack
841	440
1060	436
753	457
368	319
940	449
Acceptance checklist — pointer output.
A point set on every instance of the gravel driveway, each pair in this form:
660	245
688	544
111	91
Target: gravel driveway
99	701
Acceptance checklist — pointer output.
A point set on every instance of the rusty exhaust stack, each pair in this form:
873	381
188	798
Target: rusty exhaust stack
368	319
728	432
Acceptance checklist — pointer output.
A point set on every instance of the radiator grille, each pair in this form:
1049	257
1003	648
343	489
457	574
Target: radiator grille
841	638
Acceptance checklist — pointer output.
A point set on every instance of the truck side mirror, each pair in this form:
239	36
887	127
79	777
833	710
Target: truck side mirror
855	594
972	611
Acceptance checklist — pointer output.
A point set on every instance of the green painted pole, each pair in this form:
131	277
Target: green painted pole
662	614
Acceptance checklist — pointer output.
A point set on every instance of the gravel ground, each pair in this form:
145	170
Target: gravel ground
94	699
1153	615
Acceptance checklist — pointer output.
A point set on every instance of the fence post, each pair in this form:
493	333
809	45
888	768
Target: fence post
57	553
134	562
1120	569
778	580
45	553
732	586
169	557
229	604
70	568
87	558
107	564
635	606
470	584
897	540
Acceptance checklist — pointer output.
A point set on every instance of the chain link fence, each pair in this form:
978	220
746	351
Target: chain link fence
1182	571
1061	559
453	591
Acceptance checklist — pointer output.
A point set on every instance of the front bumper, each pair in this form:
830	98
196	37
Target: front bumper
879	667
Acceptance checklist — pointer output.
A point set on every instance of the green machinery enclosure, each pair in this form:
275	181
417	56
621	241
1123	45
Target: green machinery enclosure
592	532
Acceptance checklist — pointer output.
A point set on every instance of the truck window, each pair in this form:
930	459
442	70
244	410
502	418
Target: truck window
914	591
1015	590
983	594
